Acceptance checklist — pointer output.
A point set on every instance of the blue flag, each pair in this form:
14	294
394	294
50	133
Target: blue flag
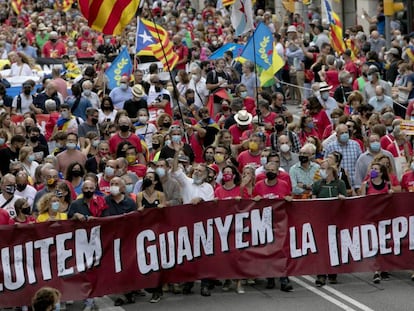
120	66
259	48
234	47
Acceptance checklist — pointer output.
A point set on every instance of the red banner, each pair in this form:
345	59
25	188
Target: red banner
218	240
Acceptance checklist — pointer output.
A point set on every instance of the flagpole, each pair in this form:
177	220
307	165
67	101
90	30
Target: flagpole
258	113
175	90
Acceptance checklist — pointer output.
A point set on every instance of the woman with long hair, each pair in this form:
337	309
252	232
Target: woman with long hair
65	196
74	174
48	207
26	156
22	64
107	110
378	180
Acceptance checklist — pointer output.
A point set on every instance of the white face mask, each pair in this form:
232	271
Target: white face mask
143	119
114	190
323	173
284	147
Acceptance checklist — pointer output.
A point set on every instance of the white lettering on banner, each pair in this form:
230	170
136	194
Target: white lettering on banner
369	240
150	248
16	266
308	241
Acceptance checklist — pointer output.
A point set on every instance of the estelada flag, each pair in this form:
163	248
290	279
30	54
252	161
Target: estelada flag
17	6
108	16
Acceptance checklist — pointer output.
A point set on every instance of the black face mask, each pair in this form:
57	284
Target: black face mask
157	89
166	124
271	175
34	139
209	179
21	187
146	182
27	128
87	194
23	44
206	120
53	40
76	173
279	127
303	159
124	128
155	146
27	91
10	189
95	121
190	101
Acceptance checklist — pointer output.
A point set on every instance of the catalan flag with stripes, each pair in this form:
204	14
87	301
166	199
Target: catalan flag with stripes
152	37
109	16
335	27
17	6
228	2
63	5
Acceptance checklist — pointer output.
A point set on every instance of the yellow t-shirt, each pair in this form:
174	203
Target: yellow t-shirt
46	217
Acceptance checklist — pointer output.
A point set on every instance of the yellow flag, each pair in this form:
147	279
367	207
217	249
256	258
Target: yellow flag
277	64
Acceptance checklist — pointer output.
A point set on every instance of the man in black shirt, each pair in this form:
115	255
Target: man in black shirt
11	153
131	106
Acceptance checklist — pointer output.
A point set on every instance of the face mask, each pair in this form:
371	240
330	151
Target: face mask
27	91
131	159
87	194
94	121
284	147
344	137
155	146
263	161
317	93
160	172
157	89
34	139
21	187
369	77
190	101
55	206
70	44
196	78
109	171
166	124
71	146
53	40
143	119
107	41
124	128
176	138
228	177
253	146
375	146
87	92
123	86
279	127
243	94
1	102
218	158
303	159
380	98
225	108
31	158
271	175
51	182
114	190
350	80
374	174
146	182
129	188
323	173
325	95
197	180
65	114
389	129
2	141
10	189
411	118
76	173
167	142
95	143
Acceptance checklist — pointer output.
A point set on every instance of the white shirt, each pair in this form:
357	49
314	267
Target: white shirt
9	207
26	101
23	70
201	92
103	117
29	193
148	130
189	190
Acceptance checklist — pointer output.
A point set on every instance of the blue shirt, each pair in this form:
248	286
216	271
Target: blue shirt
299	174
80	111
119	96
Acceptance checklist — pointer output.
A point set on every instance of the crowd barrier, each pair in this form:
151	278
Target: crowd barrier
219	240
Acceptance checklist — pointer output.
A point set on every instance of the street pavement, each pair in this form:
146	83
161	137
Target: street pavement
354	292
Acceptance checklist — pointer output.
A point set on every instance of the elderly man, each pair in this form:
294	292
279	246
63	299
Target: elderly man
23	189
193	190
380	100
349	149
90	95
50	92
198	84
302	174
122	93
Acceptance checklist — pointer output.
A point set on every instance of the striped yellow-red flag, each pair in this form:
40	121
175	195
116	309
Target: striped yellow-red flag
108	16
228	2
17	6
63	5
335	27
153	38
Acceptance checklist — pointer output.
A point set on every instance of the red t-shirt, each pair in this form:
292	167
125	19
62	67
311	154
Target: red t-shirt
278	191
139	169
303	136
396	153
386	140
115	140
181	51
236	133
372	190
5	218
56	50
222	194
250	105
104	186
407	181
321	122
280	176
332	78
246	158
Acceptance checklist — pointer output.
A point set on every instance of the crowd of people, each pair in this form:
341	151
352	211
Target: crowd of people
92	152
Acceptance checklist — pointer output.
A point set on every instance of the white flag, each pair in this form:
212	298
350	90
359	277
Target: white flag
242	16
